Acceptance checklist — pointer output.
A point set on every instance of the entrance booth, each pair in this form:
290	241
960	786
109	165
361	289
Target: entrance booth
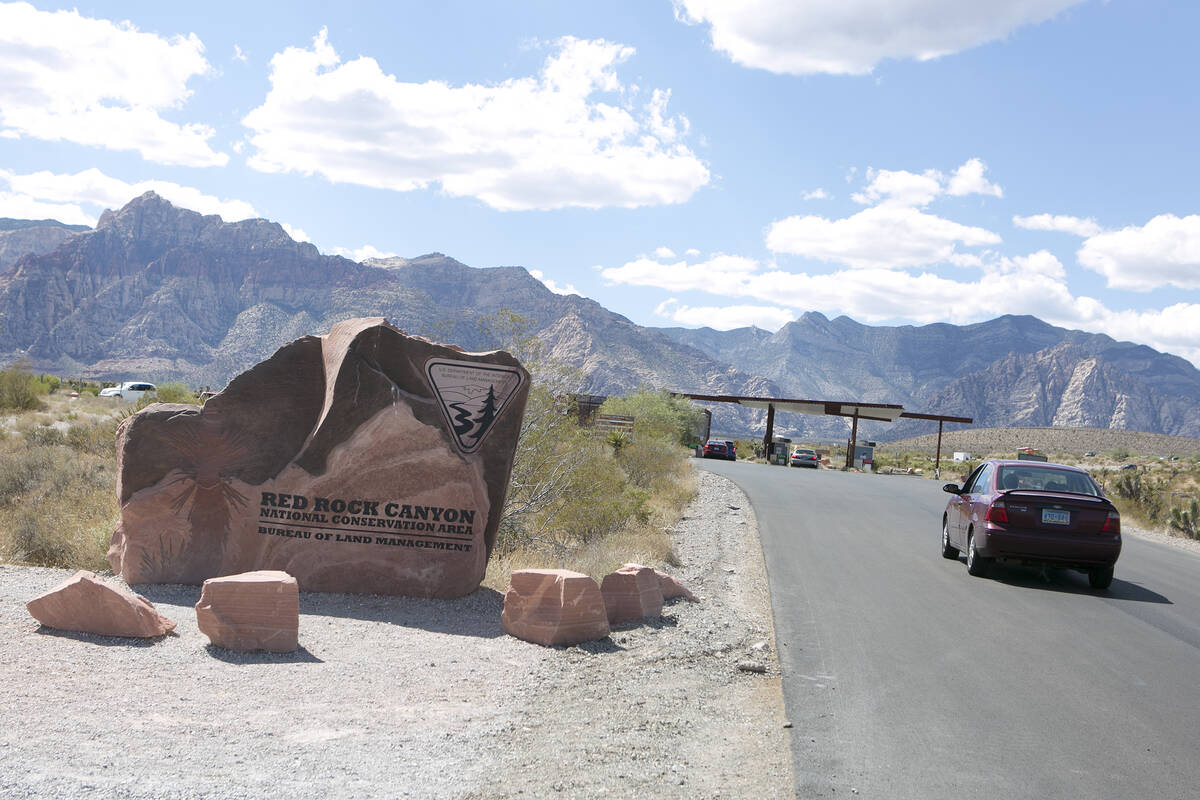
779	451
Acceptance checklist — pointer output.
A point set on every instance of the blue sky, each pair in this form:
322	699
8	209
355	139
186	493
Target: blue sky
696	162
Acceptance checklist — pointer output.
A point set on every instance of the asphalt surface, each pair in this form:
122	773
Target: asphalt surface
904	677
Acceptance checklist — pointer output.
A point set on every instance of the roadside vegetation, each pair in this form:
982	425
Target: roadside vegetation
580	499
58	505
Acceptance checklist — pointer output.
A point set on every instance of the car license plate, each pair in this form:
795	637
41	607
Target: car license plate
1051	516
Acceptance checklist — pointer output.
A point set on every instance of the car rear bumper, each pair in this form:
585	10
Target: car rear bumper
1046	547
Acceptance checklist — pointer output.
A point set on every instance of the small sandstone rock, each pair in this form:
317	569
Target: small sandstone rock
632	592
672	588
87	604
251	611
554	606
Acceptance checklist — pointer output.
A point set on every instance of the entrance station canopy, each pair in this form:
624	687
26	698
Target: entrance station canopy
880	412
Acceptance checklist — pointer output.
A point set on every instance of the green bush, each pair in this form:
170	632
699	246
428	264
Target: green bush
1186	520
18	388
658	415
175	393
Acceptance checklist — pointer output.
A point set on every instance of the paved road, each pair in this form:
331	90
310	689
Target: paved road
906	678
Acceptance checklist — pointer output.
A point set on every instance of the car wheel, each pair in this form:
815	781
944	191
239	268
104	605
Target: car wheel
948	550
977	565
1100	578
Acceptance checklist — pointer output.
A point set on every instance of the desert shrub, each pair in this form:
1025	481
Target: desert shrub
21	469
572	491
1186	520
658	415
175	393
57	506
45	436
46	384
17	388
98	439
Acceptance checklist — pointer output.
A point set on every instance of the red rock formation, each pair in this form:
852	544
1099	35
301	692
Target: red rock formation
252	611
554	606
672	588
87	604
632	592
364	461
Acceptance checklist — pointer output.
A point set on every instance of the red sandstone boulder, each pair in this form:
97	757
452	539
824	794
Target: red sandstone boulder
554	606
87	604
632	592
252	611
672	588
363	460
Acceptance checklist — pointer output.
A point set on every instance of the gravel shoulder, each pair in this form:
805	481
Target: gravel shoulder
407	698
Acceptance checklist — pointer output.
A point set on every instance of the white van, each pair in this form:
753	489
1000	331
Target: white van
129	391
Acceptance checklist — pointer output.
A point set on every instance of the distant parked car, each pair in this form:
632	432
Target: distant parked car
716	449
1027	512
804	457
129	391
731	449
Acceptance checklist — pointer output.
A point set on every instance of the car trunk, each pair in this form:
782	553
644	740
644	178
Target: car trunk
1056	512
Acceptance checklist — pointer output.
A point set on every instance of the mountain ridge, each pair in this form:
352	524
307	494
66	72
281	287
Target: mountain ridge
163	292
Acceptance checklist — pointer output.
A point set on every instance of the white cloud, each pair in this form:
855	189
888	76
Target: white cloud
297	234
1040	263
664	252
23	206
691	251
568	137
722	274
850	37
1163	252
878	237
1033	284
815	194
97	83
552	286
724	318
968	179
238	55
91	187
1060	223
899	187
359	254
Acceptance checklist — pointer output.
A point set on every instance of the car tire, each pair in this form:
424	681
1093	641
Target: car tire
977	565
1100	577
948	550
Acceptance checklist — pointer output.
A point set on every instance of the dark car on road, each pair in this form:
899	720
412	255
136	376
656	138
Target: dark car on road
731	450
804	457
716	449
1026	512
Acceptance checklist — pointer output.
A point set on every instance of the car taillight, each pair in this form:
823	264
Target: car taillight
1112	524
996	512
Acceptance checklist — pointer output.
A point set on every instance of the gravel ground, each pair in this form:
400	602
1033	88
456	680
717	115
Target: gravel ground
399	697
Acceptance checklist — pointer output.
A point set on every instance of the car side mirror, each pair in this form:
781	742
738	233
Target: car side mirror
952	488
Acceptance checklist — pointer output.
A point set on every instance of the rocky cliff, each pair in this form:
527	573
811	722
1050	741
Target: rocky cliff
158	292
21	236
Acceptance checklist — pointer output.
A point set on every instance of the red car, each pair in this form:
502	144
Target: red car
1027	512
716	449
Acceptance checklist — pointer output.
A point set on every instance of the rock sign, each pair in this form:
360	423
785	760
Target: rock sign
364	460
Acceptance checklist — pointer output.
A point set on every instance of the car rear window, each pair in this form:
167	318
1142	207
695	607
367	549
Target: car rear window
1047	480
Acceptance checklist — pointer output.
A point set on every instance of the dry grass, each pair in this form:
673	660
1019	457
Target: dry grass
57	499
647	542
1065	441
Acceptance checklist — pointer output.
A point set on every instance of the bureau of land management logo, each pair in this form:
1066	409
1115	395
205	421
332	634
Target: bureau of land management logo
472	396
